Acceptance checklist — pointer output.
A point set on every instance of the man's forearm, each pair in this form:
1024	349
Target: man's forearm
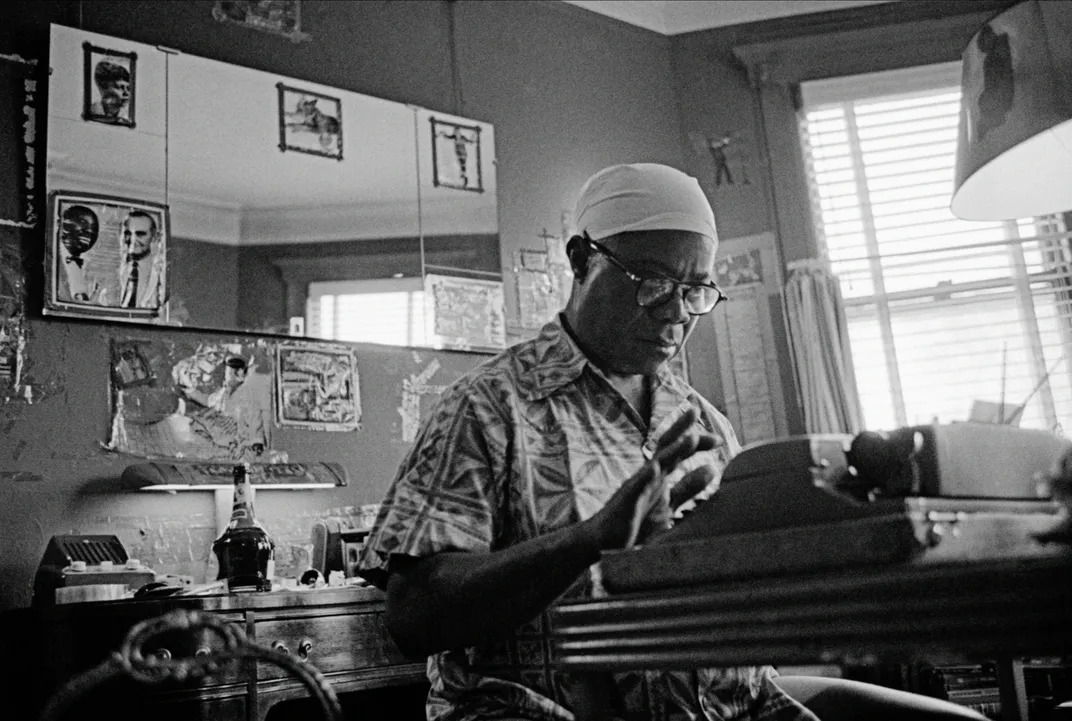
452	600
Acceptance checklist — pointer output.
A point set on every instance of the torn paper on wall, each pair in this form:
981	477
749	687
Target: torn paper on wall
543	280
413	388
12	344
317	387
204	401
536	300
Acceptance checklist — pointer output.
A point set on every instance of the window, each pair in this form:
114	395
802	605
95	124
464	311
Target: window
943	314
389	311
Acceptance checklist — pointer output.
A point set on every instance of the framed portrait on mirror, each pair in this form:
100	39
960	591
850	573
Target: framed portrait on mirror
106	257
309	122
108	85
456	156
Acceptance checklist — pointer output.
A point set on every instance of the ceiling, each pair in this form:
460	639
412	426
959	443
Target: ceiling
671	17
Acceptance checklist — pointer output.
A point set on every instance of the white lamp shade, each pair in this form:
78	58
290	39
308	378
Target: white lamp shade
1014	146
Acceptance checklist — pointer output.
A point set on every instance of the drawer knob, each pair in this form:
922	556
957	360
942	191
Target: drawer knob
280	647
305	648
162	654
203	651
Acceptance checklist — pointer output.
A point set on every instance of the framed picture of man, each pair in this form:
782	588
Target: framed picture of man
108	85
106	257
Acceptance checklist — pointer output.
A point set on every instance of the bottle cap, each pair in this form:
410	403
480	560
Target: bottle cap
106	565
133	564
78	565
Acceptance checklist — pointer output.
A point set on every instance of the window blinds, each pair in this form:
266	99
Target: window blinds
389	311
944	315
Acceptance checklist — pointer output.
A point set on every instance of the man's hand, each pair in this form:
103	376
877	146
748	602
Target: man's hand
485	595
618	523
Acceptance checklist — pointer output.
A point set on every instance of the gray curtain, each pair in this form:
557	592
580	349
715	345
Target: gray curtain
819	340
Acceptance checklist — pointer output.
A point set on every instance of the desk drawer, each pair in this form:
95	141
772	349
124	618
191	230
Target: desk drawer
331	643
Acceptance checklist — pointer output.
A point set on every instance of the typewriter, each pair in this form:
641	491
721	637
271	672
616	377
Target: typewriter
920	494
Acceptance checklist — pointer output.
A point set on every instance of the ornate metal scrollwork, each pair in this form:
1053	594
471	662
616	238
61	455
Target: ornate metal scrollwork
133	661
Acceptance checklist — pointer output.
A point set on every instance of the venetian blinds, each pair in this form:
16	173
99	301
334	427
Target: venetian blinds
388	311
947	318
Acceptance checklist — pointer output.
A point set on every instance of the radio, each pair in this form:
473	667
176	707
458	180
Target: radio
99	562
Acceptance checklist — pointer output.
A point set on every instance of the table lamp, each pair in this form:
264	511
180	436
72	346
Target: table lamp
1014	144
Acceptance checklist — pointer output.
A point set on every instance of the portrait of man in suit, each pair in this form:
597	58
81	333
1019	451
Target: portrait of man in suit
141	271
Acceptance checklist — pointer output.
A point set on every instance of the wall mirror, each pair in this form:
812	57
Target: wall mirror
188	192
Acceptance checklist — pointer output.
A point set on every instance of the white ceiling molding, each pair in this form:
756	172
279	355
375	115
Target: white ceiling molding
648	14
671	17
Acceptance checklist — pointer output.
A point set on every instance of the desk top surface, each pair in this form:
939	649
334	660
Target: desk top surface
221	603
897	612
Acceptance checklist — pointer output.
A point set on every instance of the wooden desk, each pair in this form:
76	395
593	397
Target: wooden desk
340	631
941	613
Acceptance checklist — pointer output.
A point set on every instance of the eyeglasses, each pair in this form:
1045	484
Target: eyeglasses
653	291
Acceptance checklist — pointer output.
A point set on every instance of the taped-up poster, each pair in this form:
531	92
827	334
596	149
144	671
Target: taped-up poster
543	280
202	401
467	312
317	387
536	299
12	343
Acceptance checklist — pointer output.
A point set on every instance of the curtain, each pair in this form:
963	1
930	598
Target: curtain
820	346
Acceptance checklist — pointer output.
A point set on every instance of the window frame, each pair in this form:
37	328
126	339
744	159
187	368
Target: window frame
414	286
843	96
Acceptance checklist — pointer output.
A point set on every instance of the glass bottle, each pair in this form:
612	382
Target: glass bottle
245	552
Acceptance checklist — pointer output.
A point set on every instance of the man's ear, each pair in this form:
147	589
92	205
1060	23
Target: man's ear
578	252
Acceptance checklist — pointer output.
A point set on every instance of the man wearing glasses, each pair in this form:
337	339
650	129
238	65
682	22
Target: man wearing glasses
564	446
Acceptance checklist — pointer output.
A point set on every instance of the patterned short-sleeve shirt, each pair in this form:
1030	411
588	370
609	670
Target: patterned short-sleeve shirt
534	440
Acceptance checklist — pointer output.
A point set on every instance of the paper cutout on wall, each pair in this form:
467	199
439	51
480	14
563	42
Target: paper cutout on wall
730	152
466	312
183	400
413	388
317	387
12	343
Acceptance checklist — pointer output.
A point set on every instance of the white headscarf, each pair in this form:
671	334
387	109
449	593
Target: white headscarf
642	196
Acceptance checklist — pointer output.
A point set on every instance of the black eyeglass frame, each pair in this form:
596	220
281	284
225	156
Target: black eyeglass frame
639	280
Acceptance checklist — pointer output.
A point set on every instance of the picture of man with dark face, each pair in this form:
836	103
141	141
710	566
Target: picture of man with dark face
79	229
